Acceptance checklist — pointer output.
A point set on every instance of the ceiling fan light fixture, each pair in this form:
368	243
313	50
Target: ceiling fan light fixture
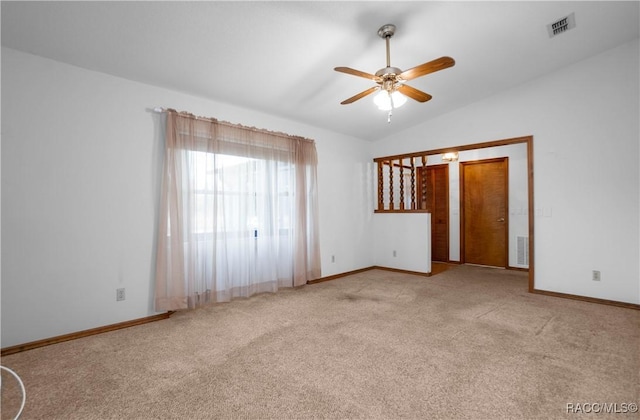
387	101
391	87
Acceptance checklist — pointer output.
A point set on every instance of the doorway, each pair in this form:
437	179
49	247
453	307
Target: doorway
484	186
435	199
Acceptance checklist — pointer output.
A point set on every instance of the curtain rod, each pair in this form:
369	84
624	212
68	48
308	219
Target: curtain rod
161	110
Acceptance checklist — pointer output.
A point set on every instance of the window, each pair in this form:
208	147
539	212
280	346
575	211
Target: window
238	213
241	186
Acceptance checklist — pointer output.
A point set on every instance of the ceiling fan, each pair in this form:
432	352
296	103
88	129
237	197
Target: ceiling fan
391	80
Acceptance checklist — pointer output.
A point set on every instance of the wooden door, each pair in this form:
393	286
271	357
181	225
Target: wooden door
435	199
484	219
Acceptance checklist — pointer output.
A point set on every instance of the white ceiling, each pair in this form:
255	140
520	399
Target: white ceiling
278	57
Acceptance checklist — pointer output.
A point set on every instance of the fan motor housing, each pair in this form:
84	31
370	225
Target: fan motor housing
388	71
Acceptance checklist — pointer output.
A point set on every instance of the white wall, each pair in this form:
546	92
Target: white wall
585	124
402	241
346	188
81	164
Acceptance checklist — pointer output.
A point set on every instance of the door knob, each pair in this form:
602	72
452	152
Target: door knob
500	219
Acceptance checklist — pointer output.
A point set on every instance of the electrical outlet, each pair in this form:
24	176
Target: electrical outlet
120	294
333	258
595	275
395	254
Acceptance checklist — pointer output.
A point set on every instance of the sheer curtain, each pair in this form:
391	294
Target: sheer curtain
238	213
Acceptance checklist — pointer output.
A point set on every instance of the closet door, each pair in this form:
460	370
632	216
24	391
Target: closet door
484	223
436	200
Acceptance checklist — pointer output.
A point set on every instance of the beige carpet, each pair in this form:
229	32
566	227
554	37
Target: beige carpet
469	342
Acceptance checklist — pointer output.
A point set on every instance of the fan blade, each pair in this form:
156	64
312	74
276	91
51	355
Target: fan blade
358	73
359	95
426	68
414	93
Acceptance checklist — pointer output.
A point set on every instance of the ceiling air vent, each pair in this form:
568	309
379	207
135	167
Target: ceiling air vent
561	25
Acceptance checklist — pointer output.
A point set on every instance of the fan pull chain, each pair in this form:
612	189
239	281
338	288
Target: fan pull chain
390	114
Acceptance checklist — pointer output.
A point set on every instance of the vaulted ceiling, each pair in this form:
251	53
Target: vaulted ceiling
278	57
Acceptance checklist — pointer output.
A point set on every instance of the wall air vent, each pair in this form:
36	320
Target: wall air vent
561	25
522	250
